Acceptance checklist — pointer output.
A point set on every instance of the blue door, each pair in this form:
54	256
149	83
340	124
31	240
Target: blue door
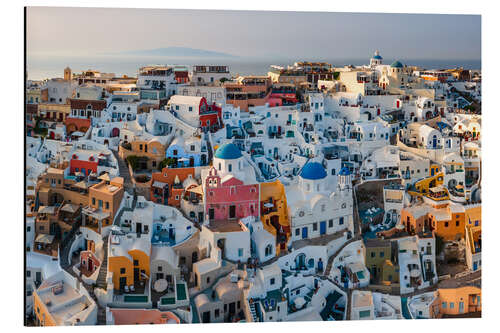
434	141
322	227
474	266
304	232
432	171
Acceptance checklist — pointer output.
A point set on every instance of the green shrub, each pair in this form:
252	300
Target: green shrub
133	161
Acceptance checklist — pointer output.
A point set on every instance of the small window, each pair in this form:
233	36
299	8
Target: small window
216	310
272	281
122	270
136	262
315	226
330	223
240	252
297	232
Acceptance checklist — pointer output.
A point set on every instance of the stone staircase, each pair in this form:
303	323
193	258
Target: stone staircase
253	311
329	265
101	316
103	269
124	172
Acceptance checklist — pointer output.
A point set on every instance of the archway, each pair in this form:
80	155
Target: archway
300	261
115	132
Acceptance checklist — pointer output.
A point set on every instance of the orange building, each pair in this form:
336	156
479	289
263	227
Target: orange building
435	213
143	316
460	300
128	260
166	186
274	212
248	91
104	202
446	220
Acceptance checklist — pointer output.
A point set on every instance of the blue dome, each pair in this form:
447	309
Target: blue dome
397	64
344	171
313	171
228	151
377	57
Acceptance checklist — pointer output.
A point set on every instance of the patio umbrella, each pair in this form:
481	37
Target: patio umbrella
104	177
161	285
300	302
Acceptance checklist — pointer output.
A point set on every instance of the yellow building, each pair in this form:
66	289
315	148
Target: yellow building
274	212
473	215
128	260
457	301
151	152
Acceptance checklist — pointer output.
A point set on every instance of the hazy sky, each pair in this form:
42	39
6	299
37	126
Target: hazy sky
92	31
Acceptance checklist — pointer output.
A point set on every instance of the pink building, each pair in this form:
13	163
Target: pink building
231	191
228	198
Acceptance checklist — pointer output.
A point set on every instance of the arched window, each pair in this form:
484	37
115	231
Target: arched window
219	166
229	167
268	250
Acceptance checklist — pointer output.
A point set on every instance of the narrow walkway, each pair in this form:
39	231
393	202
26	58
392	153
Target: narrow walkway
124	172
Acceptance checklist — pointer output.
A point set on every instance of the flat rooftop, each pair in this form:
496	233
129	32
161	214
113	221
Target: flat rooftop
62	301
225	226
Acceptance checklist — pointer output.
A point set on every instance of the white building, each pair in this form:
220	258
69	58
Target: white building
316	205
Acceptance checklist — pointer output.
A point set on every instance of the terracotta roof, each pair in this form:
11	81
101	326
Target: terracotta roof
83	103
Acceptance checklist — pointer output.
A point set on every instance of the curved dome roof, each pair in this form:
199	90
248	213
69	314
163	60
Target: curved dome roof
228	151
313	171
377	57
344	171
397	64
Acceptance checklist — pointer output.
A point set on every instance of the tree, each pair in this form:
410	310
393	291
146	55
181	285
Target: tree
439	244
133	161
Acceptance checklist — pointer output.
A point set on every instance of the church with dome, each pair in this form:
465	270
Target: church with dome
230	188
319	204
376	60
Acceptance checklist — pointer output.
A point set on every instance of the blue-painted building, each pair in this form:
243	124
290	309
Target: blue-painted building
190	153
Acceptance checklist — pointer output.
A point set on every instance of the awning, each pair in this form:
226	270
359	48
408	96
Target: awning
159	184
197	189
83	185
45	239
105	177
46	210
70	208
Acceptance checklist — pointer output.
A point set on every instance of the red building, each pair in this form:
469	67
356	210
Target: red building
83	162
82	112
181	76
211	118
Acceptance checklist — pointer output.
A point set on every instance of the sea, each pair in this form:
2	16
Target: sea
43	67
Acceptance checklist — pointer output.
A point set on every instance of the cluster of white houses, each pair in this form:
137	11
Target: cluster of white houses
184	196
